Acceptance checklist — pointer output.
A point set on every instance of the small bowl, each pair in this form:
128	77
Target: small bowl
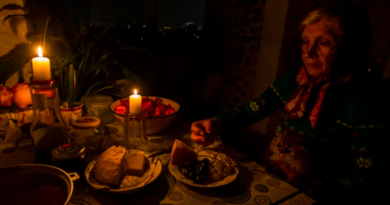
153	124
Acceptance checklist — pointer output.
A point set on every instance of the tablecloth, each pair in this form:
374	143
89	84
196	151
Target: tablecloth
253	185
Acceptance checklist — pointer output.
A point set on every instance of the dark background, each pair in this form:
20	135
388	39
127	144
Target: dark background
201	47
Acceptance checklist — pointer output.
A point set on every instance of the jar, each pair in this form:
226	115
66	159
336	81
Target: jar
86	131
69	157
100	106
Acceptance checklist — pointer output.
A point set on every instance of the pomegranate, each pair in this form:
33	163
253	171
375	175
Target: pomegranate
22	95
5	96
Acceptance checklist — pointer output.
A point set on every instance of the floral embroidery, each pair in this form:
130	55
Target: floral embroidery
366	163
254	106
278	129
278	94
345	181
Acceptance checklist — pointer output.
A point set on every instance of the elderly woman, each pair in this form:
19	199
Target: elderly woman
330	118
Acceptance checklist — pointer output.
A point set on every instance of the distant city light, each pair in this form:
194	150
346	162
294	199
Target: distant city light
194	34
119	41
197	37
143	26
163	33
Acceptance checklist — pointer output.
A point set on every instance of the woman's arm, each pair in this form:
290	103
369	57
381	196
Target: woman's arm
255	110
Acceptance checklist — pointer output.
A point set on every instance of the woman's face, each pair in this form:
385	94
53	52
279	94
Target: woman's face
318	47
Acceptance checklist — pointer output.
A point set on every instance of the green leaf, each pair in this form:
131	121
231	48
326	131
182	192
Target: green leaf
70	85
93	87
128	73
68	58
105	56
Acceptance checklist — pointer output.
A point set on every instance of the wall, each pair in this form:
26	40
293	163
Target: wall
13	32
270	48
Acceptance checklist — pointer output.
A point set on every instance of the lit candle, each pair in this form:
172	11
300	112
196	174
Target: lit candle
41	67
135	102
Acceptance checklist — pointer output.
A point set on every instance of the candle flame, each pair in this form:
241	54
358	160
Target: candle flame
39	51
135	91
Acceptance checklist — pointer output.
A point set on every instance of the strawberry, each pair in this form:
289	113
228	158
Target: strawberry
147	107
125	102
163	108
170	110
145	99
157	111
120	109
157	101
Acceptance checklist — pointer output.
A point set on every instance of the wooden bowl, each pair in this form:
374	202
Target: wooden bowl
153	124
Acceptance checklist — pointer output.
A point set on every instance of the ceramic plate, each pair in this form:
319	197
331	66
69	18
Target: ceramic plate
175	171
129	183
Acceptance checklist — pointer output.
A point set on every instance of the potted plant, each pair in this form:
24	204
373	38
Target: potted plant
77	52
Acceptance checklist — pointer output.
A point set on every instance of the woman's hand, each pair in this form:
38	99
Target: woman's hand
203	131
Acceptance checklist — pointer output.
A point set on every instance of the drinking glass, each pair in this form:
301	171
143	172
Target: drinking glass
135	136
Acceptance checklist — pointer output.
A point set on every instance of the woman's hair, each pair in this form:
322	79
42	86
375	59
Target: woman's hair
352	25
320	13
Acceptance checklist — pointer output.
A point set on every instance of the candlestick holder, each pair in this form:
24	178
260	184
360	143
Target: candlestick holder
135	136
47	128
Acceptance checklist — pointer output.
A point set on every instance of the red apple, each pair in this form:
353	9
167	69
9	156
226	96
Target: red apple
22	95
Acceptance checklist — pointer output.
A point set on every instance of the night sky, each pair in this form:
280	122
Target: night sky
170	12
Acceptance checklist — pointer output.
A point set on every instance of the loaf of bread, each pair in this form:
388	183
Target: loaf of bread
135	164
108	168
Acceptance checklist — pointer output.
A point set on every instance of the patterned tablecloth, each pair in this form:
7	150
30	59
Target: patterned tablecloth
253	185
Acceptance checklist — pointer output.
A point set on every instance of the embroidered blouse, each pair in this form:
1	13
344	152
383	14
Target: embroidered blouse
357	116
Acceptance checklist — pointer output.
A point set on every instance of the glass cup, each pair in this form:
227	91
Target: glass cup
135	136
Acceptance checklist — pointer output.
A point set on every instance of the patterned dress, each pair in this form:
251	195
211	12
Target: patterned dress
354	119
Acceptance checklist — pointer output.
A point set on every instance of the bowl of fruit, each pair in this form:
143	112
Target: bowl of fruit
159	112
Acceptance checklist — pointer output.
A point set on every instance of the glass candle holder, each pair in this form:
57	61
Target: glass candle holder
135	136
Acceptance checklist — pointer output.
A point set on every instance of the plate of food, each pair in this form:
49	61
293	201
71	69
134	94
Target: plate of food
122	171
201	168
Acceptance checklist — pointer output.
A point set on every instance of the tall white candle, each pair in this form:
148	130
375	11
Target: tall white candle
41	67
135	102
